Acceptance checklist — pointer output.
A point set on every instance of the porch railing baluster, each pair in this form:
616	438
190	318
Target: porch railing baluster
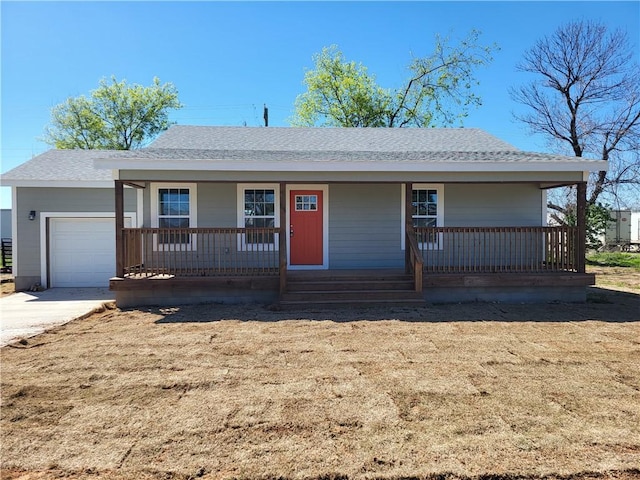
151	252
192	252
497	249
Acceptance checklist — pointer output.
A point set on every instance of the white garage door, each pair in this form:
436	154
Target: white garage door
82	251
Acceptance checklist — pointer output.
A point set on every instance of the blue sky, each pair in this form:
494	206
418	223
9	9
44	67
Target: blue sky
229	58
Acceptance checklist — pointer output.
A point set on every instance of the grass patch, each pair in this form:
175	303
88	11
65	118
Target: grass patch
614	259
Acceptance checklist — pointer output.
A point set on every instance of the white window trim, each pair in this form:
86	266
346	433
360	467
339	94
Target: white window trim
193	216
45	216
325	225
439	187
257	247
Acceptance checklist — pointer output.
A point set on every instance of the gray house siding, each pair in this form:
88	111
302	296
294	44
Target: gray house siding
495	205
365	226
72	200
217	204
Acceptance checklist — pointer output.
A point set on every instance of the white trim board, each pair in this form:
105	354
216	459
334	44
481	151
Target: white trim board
44	216
14	231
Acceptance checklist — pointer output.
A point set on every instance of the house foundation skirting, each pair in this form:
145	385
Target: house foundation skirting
507	288
189	291
438	288
506	294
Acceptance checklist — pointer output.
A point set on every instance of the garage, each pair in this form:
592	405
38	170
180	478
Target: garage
82	251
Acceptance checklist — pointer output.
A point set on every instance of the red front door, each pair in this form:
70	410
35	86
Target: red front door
305	228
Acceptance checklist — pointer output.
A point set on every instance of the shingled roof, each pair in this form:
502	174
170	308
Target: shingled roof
337	149
71	166
311	139
295	149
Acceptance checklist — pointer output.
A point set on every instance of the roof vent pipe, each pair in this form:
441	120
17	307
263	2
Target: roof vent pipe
266	115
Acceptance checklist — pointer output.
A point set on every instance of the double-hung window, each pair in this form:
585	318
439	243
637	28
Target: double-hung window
427	210
424	207
258	208
174	208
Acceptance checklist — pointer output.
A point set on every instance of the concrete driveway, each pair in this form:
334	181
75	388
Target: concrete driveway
26	314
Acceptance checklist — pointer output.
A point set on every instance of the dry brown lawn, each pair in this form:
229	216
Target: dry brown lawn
7	288
446	391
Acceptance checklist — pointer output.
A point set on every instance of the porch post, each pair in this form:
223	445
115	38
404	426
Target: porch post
581	217
119	213
284	232
408	223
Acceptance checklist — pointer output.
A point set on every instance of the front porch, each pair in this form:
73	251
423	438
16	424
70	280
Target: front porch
442	264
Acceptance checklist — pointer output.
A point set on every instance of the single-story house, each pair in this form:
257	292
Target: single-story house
310	215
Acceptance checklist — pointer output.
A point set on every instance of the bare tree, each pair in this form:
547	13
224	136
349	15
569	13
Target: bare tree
586	98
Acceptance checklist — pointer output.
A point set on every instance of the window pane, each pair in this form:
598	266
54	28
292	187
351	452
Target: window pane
424	222
173	222
263	222
163	195
173	201
426	203
269	209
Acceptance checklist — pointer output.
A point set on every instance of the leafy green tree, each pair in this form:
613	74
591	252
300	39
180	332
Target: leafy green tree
598	216
116	116
438	91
